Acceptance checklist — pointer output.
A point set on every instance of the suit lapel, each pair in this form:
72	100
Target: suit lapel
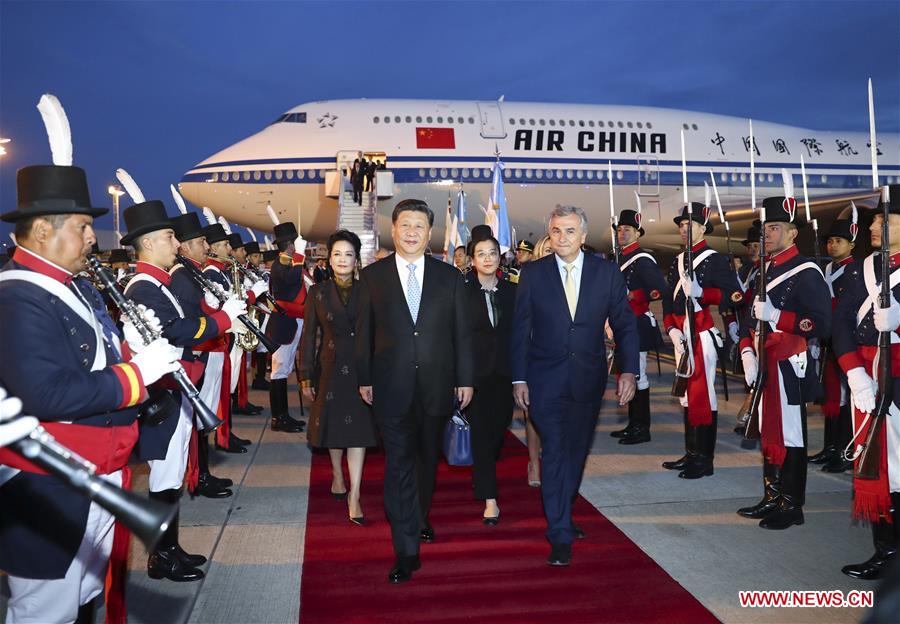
428	276
398	287
583	288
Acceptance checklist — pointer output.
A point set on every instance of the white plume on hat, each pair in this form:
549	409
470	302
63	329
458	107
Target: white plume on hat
179	200
788	181
58	130
209	216
272	215
131	187
225	225
252	234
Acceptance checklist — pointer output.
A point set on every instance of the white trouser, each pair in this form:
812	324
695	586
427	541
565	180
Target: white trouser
643	382
283	358
168	473
41	601
236	354
710	359
791	423
212	380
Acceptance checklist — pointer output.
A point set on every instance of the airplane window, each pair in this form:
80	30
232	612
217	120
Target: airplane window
685	126
649	125
572	123
246	176
215	177
562	122
610	124
290	174
461	120
454	173
770	178
529	173
321	173
590	174
518	173
408	119
443	173
418	119
397	119
743	177
432	172
521	122
824	179
507	173
421	173
621	124
471	120
581	123
630	125
559	174
387	119
512	121
619	175
640	125
600	124
440	120
541	121
487	173
476	173
723	177
579	174
552	122
591	123
734	177
539	174
694	126
375	120
568	174
225	176
279	174
257	175
301	174
267	174
531	122
466	172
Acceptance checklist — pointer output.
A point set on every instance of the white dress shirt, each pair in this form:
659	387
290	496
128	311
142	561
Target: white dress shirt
403	272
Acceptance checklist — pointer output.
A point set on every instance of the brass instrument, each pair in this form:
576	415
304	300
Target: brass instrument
246	341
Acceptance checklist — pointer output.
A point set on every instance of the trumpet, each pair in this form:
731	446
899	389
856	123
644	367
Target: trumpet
148	519
207	419
246	341
218	292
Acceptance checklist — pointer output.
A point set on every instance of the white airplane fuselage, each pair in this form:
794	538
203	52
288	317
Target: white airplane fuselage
552	153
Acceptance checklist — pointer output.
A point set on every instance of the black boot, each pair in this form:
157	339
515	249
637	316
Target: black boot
621	433
700	464
259	381
165	561
208	485
793	492
173	497
886	537
689	446
771	493
640	422
279	403
830	446
843	431
87	612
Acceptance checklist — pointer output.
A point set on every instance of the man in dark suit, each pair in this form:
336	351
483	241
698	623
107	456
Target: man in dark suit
414	355
558	359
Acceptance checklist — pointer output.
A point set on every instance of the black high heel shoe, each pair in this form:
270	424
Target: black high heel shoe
360	521
339	495
491	521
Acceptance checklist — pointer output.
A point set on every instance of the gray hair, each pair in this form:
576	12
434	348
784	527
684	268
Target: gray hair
565	211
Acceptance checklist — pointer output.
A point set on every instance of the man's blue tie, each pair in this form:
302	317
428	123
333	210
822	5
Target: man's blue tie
413	293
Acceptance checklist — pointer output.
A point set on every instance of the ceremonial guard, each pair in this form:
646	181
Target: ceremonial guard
840	241
73	373
165	445
260	357
645	283
859	319
193	248
240	402
288	283
796	308
714	283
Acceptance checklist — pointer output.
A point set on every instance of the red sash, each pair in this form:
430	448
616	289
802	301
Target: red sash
779	346
699	407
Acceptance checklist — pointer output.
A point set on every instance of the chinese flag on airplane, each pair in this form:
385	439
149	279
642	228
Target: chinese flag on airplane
435	138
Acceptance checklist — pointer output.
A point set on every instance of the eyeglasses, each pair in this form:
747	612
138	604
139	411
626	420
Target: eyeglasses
486	255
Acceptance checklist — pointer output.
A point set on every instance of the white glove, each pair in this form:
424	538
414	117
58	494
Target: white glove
9	407
765	311
733	332
863	388
751	368
677	337
157	359
300	245
887	319
13	429
133	336
692	289
259	288
234	307
211	300
815	351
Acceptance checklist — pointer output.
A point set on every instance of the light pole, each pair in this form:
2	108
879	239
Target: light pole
116	193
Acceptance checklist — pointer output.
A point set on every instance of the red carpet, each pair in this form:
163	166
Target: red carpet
475	573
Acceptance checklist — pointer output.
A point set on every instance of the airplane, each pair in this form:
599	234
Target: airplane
552	154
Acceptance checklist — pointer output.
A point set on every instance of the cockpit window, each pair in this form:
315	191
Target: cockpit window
291	118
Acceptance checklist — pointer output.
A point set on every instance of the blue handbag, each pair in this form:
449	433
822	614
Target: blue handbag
458	440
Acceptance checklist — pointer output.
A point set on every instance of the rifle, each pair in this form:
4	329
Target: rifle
611	364
750	409
685	368
726	339
823	351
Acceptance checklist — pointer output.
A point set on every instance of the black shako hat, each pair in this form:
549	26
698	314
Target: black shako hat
51	190
699	213
842	228
235	240
781	209
144	218
187	226
632	218
753	234
251	247
215	233
119	255
269	255
286	231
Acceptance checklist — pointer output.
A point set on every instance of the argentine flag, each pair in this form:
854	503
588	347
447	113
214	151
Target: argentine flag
498	203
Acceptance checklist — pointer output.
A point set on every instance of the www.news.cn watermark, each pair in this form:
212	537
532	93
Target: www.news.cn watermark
832	598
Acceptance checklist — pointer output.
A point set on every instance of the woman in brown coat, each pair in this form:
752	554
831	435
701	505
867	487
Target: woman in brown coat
339	419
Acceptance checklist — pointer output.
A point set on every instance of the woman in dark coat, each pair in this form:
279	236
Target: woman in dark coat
490	412
339	419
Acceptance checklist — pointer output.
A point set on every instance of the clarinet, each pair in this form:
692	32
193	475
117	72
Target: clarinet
216	291
207	419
